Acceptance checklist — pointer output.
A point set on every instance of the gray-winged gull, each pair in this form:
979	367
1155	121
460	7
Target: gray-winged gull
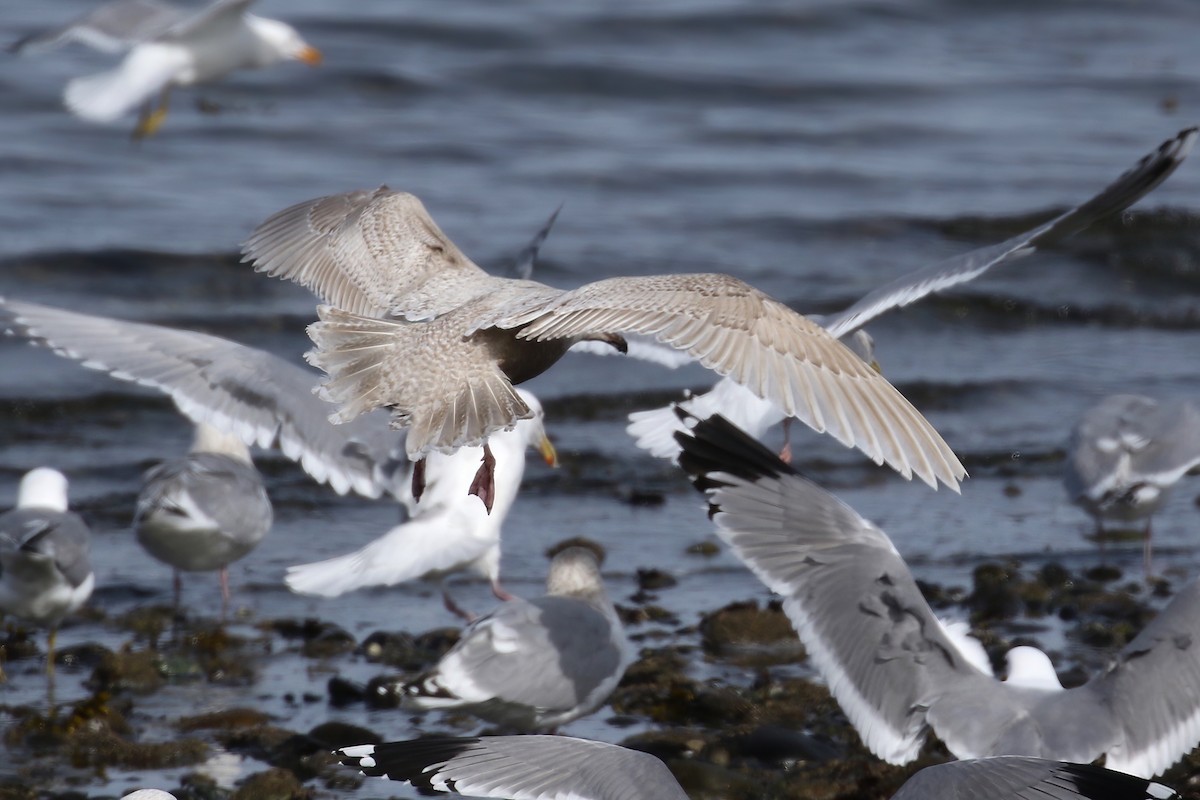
534	664
1125	454
168	47
654	429
413	325
260	398
559	767
45	565
874	639
443	535
203	511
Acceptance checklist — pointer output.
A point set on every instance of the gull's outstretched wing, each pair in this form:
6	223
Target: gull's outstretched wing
258	397
1131	186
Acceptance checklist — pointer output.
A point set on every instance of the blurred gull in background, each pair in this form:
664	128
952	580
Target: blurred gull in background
167	47
45	569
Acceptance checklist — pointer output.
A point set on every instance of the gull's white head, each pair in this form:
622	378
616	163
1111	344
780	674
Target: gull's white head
213	440
575	571
149	794
1031	668
533	430
280	41
43	488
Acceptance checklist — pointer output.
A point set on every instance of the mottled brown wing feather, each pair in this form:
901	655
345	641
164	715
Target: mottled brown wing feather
736	330
373	253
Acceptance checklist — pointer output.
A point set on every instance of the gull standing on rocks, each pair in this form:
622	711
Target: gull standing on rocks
45	566
204	511
413	325
1125	455
534	664
443	535
655	430
168	47
557	767
872	636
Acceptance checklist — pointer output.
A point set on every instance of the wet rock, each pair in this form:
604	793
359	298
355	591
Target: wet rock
702	781
148	623
196	786
645	498
81	656
230	719
332	735
404	651
1012	490
97	746
652	580
1054	576
18	644
344	693
274	784
656	687
745	635
780	745
994	595
320	639
1103	573
706	548
139	671
637	615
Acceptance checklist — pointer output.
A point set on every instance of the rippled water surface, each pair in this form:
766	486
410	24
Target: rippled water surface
813	149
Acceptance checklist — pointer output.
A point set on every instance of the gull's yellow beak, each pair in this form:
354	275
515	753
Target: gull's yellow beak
310	55
875	366
548	452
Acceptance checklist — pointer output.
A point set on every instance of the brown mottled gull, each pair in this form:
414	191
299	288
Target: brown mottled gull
416	326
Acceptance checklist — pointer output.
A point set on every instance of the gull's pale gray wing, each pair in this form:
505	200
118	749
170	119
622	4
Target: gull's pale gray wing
846	590
1023	778
520	768
60	535
866	625
1126	190
214	18
737	331
260	398
213	487
372	253
112	27
1153	689
536	663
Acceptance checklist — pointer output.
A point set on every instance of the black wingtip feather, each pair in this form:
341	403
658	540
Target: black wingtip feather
717	445
409	760
1098	783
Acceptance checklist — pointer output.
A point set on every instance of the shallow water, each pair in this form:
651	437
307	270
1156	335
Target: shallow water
813	149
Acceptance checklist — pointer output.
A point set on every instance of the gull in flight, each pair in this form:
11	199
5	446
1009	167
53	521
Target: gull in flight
413	325
654	430
559	767
872	636
534	664
167	47
45	566
1125	455
265	401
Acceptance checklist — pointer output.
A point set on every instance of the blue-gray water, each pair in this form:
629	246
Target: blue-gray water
813	149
